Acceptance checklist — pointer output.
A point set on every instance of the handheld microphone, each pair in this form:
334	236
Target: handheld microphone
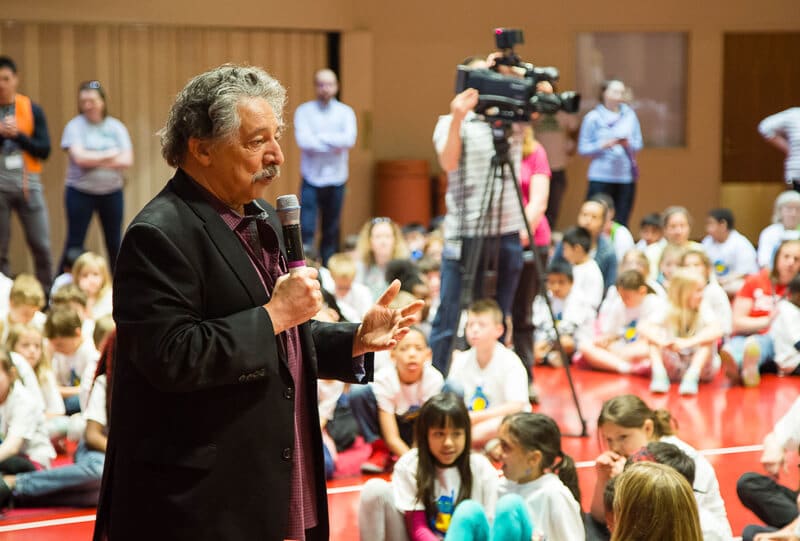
289	214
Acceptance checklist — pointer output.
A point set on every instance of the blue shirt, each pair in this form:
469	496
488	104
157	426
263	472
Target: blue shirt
325	134
601	125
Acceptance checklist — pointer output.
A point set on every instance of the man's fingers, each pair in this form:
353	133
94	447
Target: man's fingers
412	308
388	296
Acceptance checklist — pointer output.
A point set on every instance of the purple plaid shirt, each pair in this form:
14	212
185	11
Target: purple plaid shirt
260	241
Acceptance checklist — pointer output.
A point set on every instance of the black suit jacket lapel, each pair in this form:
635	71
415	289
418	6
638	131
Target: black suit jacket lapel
221	235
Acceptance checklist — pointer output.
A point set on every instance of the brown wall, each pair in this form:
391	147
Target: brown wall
399	65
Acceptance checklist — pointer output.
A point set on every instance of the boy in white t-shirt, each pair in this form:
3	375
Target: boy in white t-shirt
491	376
732	255
575	318
74	356
386	409
587	280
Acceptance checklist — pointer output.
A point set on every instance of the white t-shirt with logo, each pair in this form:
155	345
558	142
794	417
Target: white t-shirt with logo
446	487
503	380
734	257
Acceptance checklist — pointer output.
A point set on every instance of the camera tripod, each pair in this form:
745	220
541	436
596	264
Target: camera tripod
487	231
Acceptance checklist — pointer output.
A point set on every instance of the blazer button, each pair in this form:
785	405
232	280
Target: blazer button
242	378
288	393
287	454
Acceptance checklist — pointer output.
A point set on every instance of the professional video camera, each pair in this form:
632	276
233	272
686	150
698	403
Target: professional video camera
512	98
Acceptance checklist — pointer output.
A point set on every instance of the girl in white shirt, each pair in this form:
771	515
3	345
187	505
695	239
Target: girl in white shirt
539	497
683	341
431	480
617	347
26	445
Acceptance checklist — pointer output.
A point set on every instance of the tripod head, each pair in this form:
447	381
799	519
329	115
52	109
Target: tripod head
501	131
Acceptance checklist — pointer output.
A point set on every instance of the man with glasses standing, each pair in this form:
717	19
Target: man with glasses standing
325	130
24	145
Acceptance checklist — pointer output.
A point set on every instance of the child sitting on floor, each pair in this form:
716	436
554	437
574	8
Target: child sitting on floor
490	376
387	408
618	348
575	319
683	341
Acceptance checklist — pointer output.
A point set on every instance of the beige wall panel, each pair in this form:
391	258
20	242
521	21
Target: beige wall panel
142	67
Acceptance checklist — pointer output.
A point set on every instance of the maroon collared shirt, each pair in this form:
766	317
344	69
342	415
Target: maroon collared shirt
260	241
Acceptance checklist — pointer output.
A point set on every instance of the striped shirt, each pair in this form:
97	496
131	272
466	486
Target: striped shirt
786	124
468	195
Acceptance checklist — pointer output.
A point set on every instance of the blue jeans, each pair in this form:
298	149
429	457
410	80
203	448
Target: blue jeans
622	194
328	201
81	207
736	346
74	484
449	312
511	521
32	213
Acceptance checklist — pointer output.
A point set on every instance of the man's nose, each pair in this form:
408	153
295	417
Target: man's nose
274	155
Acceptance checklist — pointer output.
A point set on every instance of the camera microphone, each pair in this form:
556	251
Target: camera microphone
288	209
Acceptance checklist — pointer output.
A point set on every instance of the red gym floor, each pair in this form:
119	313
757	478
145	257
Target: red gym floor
727	423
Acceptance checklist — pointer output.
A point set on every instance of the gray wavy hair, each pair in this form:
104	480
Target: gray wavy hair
206	108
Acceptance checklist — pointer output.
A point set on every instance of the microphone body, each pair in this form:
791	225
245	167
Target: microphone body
288	208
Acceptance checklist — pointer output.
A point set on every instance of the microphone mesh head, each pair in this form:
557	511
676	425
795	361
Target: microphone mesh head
288	209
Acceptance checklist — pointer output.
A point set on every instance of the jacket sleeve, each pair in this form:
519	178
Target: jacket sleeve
159	310
38	144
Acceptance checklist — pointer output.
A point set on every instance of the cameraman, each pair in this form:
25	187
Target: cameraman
465	147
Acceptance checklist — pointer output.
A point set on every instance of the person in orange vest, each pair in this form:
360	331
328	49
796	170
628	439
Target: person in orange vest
24	145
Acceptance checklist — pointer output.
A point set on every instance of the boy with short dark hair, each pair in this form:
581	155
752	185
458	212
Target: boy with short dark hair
732	255
651	231
587	279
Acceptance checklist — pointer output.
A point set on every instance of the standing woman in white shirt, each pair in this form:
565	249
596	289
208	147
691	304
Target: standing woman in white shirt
100	151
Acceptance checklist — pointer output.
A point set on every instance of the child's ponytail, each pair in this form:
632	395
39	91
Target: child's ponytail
537	432
565	469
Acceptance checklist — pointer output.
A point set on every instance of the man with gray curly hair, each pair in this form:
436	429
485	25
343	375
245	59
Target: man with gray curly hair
216	430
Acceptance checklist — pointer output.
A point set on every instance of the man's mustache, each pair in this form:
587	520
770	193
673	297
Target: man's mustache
271	171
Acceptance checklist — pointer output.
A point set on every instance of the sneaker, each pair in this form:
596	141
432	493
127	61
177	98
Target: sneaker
380	460
689	386
659	383
730	366
752	354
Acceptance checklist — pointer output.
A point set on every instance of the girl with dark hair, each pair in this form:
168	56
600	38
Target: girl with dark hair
431	480
539	497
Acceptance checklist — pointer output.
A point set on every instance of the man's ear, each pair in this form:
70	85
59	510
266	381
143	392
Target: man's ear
200	149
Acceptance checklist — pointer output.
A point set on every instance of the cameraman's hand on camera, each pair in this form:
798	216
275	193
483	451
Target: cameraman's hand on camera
463	103
296	298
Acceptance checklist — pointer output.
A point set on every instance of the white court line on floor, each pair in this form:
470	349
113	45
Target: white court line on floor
47	523
590	464
346	490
